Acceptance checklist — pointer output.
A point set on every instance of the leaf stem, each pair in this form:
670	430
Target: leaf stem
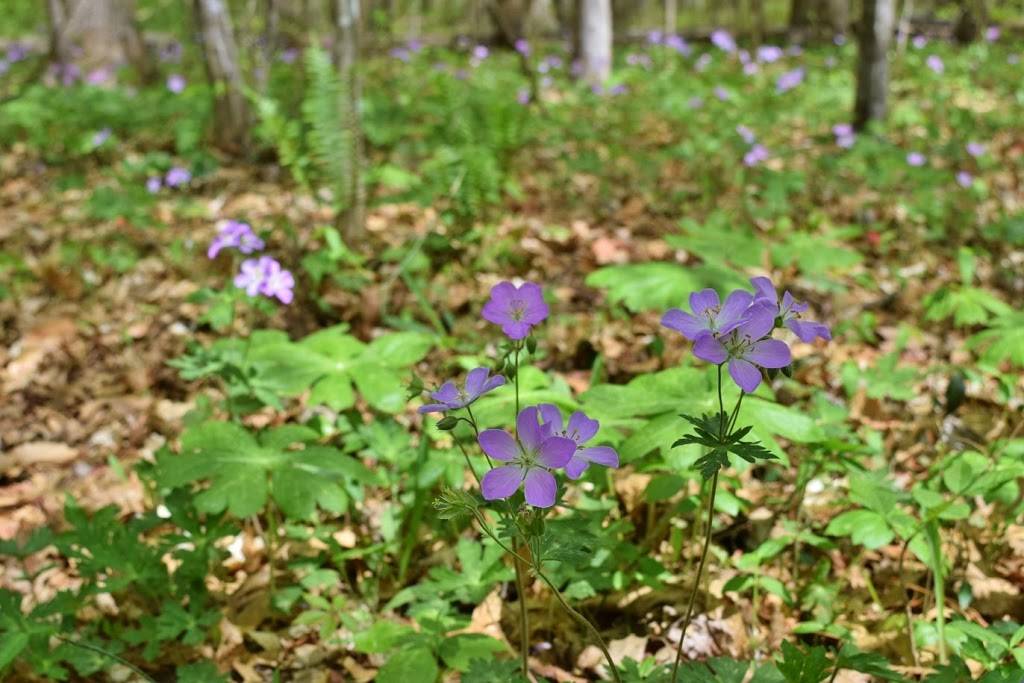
105	653
696	582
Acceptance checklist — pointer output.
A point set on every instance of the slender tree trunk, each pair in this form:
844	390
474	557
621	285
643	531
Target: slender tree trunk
973	15
876	30
60	45
345	55
135	47
800	15
268	43
596	40
671	16
903	32
231	109
757	12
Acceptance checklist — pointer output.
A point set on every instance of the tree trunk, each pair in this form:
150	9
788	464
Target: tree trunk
231	109
509	16
876	29
903	30
800	14
839	16
757	13
135	48
345	55
60	45
973	15
671	16
596	40
268	44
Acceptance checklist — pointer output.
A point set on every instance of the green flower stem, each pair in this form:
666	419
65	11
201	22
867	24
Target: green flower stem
696	581
524	619
468	461
101	651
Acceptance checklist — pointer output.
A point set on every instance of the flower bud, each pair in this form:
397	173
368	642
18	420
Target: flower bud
447	423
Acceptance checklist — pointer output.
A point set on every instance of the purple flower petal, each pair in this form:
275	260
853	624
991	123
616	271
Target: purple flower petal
498	444
745	374
475	381
555	451
501	482
540	488
769	353
528	428
703	300
581	428
551	416
764	289
807	330
575	468
600	455
708	348
736	306
759	321
688	325
446	393
432	408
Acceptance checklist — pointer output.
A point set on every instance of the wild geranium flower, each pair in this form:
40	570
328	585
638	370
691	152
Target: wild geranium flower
975	149
709	315
580	429
522	46
721	39
756	155
746	348
250	276
278	283
919	42
654	37
177	176
964	179
722	94
845	137
751	68
450	397
530	458
679	44
176	83
992	34
769	54
916	159
480	53
516	309
234	235
100	137
153	184
788	311
789	80
748	135
523	96
934	62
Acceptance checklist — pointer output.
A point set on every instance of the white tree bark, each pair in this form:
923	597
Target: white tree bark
876	33
596	40
231	109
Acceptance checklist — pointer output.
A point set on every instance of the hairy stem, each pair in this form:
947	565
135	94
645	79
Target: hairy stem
524	620
696	581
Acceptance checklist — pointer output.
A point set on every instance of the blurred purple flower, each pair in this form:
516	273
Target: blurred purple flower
748	135
100	137
99	76
919	42
153	184
641	60
16	52
450	397
744	56
531	455
769	54
916	159
523	96
789	80
751	68
516	309
400	53
709	316
964	179
654	37
414	45
992	34
278	283
703	62
289	55
580	430
722	94
746	348
934	62
679	44
830	61
975	149
618	89
176	83
234	235
845	137
721	39
839	39
755	156
522	47
480	53
695	102
788	311
177	176
250	276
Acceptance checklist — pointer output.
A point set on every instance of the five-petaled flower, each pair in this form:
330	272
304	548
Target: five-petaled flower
530	457
451	397
266	276
746	347
709	315
787	312
580	429
516	309
234	235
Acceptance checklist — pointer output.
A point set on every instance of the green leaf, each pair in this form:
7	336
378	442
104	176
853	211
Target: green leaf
381	637
798	666
415	664
334	391
11	645
645	286
459	651
864	527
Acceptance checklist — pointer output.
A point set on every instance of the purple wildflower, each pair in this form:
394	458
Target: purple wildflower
916	159
721	39
934	62
531	455
523	96
153	184
679	44
516	309
722	94
415	45
522	47
788	312
839	39
695	102
746	348
919	42
789	80
794	50
654	37
580	430
99	76
235	235
250	276
964	179
845	137
703	62
748	135
480	53
16	52
751	68
618	89
400	53
176	83
992	34
755	156
641	60
177	176
975	149
450	397
709	315
100	137
278	283
744	56
289	55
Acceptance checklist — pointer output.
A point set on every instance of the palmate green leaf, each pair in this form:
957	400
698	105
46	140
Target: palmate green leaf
798	666
864	527
645	286
850	657
413	664
707	428
1002	342
967	306
12	643
459	651
242	471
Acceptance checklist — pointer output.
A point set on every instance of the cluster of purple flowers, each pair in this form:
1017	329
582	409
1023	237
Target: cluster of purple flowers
757	153
176	177
256	276
542	442
739	331
789	80
723	40
845	136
